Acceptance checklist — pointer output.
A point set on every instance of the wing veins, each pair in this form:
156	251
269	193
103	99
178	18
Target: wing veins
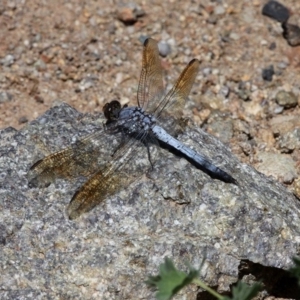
150	85
105	181
177	96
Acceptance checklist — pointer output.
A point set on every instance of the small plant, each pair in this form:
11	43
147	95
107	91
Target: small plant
295	271
170	280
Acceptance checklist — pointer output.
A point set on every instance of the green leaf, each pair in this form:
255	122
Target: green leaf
170	280
243	291
296	269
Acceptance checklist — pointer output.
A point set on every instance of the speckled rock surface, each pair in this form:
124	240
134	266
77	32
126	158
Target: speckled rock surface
175	210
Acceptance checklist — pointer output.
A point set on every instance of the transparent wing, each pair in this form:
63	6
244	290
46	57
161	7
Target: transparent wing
173	103
150	89
109	180
79	159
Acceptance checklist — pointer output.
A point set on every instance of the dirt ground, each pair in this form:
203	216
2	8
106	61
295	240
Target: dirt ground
86	53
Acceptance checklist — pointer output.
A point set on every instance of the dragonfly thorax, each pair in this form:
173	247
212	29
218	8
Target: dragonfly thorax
135	119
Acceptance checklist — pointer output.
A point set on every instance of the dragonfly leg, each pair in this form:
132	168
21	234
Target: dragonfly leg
149	155
122	143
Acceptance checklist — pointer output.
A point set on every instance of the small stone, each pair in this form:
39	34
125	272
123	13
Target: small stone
86	83
206	71
225	91
272	46
111	28
234	36
289	141
286	99
40	65
23	120
8	60
39	99
164	48
276	11
212	102
212	19
264	42
278	110
291	33
143	38
267	73
139	12
280	166
129	13
282	65
5	97
119	78
219	10
243	90
126	15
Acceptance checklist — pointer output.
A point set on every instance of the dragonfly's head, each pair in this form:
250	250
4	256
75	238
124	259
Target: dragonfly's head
111	110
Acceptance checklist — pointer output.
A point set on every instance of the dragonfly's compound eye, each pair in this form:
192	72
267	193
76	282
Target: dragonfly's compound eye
111	110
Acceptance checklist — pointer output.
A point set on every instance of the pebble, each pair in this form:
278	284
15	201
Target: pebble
143	38
253	108
86	83
8	60
234	36
40	65
23	120
119	78
278	110
267	73
286	99
280	166
129	13
291	33
5	97
215	71
112	28
290	141
243	90
272	46
276	11
212	19
126	15
219	10
225	91
39	99
244	95
206	71
164	48
282	65
212	102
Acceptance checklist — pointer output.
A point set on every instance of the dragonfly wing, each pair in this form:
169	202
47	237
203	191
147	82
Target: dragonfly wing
110	179
79	159
172	105
101	185
150	89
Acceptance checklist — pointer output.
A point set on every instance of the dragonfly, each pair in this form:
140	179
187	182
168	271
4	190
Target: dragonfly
141	125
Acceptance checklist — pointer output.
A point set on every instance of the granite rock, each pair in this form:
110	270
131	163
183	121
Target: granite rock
175	210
